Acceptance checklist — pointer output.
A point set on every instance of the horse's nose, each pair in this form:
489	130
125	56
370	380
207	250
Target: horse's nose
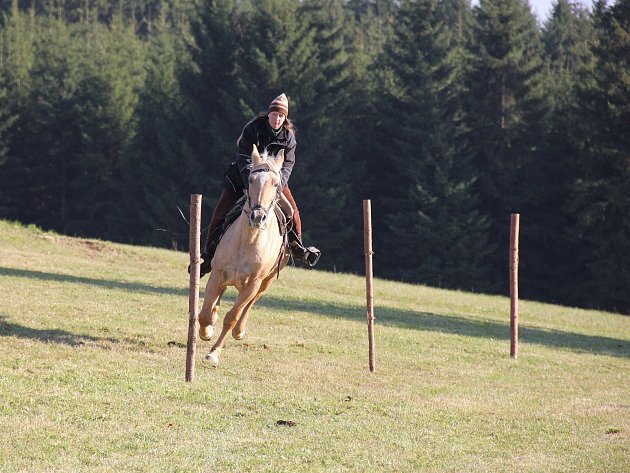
257	219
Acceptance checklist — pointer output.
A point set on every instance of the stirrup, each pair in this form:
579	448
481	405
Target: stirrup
312	255
309	256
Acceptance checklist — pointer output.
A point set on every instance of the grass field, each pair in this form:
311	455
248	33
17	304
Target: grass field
92	363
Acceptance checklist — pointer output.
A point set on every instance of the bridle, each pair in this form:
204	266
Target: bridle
252	208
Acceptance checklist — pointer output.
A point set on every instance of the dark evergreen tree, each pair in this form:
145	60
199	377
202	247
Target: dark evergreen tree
120	58
7	118
213	85
457	14
602	194
364	47
140	13
41	140
74	121
159	170
17	53
567	36
324	181
436	235
507	116
374	24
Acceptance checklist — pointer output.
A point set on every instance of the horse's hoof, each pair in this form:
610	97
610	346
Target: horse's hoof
205	333
212	358
238	336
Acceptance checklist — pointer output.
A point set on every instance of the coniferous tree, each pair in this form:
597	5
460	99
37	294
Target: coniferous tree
159	169
437	236
7	118
374	23
457	14
372	29
142	13
74	121
506	114
17	53
602	194
567	36
213	85
326	173
121	66
44	141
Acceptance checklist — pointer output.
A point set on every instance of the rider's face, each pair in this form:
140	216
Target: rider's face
276	119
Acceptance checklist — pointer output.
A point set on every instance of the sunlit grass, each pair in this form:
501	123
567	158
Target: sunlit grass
92	363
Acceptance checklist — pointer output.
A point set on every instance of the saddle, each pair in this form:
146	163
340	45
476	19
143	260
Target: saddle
235	211
291	242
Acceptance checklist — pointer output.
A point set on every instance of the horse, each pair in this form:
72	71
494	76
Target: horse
249	256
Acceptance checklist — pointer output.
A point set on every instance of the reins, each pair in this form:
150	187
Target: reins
258	206
275	202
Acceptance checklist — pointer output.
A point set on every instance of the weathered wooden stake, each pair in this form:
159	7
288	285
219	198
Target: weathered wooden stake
514	230
193	294
367	225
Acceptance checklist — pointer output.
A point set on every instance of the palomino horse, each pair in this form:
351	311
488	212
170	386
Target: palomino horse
248	256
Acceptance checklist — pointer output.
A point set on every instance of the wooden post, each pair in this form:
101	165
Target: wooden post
514	230
367	225
193	294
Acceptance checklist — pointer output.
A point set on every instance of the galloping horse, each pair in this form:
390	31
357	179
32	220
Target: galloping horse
249	255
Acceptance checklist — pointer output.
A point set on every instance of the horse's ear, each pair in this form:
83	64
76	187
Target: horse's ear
278	159
255	156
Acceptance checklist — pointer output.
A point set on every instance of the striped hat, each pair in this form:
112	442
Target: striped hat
280	104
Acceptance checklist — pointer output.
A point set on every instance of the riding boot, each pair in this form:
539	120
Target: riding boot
309	256
208	252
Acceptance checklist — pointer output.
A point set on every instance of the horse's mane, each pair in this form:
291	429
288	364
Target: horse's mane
266	163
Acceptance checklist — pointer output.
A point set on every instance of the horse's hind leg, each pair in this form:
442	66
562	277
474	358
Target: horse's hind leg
231	318
241	326
210	309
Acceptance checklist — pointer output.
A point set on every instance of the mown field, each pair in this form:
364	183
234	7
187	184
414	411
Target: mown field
92	363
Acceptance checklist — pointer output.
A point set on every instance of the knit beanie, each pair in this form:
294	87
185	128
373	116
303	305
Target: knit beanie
280	104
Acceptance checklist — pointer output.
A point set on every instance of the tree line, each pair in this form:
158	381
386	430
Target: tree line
448	116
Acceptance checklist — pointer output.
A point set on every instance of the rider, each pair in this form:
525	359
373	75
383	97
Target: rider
270	131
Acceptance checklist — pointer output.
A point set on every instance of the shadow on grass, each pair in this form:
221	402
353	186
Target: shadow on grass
416	320
8	329
105	283
458	325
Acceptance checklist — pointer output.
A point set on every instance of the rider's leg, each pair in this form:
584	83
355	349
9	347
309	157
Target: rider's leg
297	221
226	201
308	255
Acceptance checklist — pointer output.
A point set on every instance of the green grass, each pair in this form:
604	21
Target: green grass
92	363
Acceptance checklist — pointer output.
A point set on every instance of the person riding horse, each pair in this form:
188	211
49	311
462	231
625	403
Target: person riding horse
270	132
249	256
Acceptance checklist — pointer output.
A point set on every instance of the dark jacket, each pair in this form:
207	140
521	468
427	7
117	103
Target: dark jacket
259	133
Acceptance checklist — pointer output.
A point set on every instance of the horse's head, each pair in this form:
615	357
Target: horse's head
263	186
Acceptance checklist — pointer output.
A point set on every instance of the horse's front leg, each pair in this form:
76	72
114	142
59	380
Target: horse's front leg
210	308
231	318
241	325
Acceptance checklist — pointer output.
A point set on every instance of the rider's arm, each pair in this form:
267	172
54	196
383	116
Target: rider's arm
289	160
245	144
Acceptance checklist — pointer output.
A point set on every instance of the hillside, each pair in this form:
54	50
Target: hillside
92	358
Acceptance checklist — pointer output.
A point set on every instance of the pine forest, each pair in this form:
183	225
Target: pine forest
448	115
